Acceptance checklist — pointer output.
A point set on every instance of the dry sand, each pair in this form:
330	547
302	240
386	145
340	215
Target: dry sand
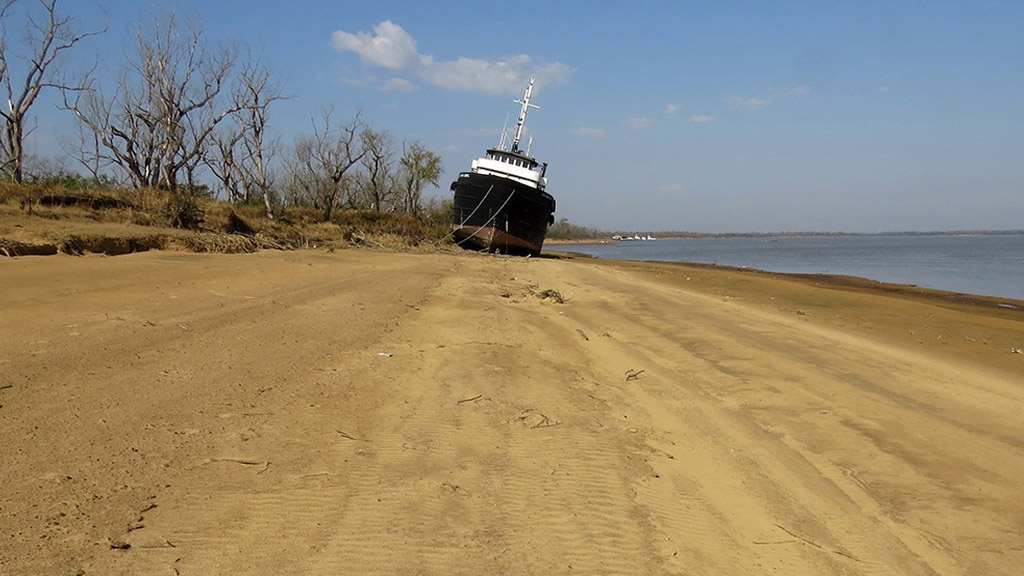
366	412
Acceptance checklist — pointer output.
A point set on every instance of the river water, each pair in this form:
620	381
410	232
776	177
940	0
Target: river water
990	264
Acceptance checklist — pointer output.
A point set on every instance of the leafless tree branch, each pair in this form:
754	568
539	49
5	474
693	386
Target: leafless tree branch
47	38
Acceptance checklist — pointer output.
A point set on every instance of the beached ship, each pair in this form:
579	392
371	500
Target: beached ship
500	205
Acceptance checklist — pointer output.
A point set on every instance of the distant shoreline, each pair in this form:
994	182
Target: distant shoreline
608	239
971	264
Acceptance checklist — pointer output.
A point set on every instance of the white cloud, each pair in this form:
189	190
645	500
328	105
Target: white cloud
392	48
389	47
701	119
759	103
507	76
671	109
640	123
747	103
397	85
883	89
590	132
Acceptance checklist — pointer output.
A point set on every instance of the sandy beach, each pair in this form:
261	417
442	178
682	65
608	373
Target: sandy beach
374	412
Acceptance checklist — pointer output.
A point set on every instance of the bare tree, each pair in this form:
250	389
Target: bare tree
241	154
159	123
86	148
378	181
47	37
320	167
224	163
254	93
418	168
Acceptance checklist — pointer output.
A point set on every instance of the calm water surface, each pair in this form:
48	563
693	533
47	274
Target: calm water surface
991	265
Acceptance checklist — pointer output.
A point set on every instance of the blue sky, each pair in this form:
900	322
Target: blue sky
701	116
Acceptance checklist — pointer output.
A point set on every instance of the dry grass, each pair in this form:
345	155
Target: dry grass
47	219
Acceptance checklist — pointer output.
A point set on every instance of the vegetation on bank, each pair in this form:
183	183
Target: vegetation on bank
189	121
54	217
177	150
565	230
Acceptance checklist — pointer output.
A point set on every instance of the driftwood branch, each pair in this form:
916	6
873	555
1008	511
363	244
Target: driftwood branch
246	462
815	544
633	374
552	294
348	436
546	423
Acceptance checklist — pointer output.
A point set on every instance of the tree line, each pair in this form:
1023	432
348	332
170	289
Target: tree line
180	108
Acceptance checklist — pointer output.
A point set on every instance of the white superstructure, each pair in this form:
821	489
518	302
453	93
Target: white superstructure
508	165
513	163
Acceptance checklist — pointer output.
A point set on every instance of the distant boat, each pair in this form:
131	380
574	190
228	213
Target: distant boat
634	237
500	205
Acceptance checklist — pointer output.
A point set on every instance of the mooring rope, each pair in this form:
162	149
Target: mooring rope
466	219
491	219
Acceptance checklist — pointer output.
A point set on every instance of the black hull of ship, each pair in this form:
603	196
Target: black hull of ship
496	214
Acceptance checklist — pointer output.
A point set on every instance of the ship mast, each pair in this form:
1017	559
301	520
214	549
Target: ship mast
522	114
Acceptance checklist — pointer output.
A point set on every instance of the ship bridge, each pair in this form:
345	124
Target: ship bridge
512	165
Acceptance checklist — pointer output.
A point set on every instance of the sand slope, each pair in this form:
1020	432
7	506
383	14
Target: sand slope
376	413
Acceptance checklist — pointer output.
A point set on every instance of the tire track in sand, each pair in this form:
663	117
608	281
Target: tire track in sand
765	480
494	469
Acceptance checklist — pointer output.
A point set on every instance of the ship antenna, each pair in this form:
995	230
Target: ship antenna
504	134
522	113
